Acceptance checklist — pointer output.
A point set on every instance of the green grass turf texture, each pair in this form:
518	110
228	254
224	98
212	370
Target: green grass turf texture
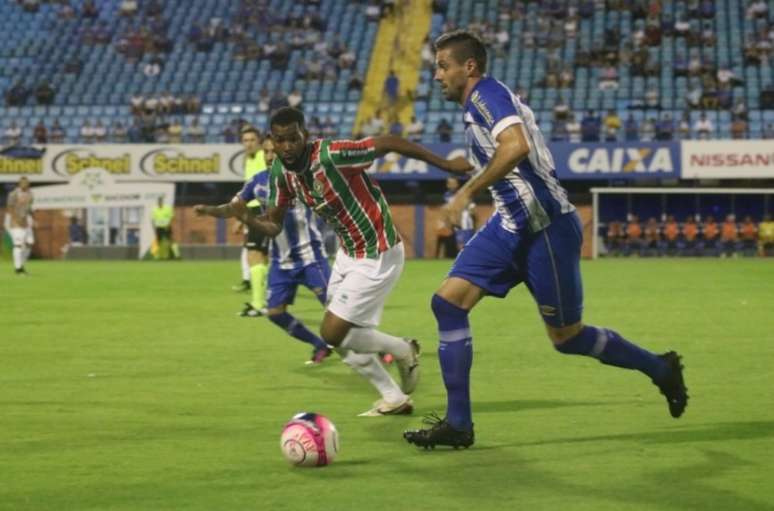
134	386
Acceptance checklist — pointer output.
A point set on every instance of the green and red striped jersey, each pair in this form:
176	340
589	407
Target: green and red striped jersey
336	187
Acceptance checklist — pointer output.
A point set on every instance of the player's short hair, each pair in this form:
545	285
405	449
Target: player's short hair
287	115
249	128
464	45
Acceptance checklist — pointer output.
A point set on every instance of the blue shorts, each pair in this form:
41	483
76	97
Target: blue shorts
284	283
548	262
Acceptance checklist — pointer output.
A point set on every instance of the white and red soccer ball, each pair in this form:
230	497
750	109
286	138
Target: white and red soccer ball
309	440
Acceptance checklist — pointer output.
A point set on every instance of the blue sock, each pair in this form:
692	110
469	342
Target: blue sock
612	349
294	327
455	353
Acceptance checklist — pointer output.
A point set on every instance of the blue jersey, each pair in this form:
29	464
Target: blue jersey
256	188
529	196
300	242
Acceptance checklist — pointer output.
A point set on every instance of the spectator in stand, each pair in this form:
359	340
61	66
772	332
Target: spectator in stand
392	88
13	134
295	99
740	110
100	132
128	8
415	130
633	236
665	127
729	236
748	232
703	127
229	134
652	98
118	133
44	93
561	110
40	133
590	127
671	236
195	132
87	132
355	82
612	126
710	236
614	237
648	130
766	236
739	128
17	95
175	132
444	130
767	97
690	236
56	134
684	127
631	129
652	236
573	129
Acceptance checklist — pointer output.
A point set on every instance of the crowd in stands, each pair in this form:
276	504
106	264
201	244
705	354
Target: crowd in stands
694	76
692	237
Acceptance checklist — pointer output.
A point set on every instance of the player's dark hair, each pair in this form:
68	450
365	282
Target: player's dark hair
287	115
249	128
464	45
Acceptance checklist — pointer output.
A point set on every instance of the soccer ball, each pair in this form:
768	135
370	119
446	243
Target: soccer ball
309	440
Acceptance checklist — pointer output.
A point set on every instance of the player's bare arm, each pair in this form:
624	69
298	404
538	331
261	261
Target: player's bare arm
269	223
390	143
512	147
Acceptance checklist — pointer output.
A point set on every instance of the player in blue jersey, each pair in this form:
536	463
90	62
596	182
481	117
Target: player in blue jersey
534	237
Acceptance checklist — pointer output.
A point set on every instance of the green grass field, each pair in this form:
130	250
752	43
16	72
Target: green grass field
134	386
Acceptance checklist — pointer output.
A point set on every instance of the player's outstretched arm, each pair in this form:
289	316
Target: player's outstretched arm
391	143
234	209
269	223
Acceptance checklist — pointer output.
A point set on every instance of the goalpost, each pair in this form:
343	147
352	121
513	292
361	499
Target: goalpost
663	201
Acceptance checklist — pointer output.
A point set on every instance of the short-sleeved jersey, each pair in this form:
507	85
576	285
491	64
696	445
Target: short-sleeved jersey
530	195
256	189
19	206
335	186
300	243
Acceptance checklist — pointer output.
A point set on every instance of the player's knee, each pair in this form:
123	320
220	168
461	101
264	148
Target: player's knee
560	335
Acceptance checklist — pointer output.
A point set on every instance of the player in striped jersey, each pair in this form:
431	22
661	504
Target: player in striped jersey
18	222
297	258
330	177
534	236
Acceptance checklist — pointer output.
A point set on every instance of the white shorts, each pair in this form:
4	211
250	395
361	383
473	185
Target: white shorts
22	236
358	288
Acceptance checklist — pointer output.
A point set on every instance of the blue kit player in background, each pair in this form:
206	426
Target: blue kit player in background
534	237
297	257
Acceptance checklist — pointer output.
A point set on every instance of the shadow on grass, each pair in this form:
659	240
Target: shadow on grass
658	484
516	405
718	432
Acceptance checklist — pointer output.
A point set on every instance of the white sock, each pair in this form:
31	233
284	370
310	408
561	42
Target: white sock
245	266
369	367
18	257
370	340
26	254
